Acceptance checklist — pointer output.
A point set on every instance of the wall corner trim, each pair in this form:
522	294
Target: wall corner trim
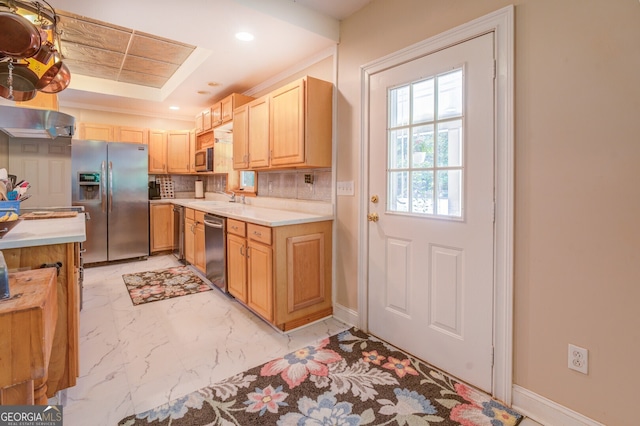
346	315
545	411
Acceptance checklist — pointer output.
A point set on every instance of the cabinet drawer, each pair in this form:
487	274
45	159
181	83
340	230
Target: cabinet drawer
199	216
189	214
236	227
259	233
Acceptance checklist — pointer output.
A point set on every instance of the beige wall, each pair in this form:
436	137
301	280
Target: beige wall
577	254
104	117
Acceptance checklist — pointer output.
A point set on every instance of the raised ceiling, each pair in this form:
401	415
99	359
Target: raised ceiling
98	49
144	56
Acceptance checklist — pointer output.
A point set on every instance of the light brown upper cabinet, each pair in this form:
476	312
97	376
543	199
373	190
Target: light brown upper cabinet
203	121
157	151
111	133
97	132
222	112
131	134
178	151
300	119
251	135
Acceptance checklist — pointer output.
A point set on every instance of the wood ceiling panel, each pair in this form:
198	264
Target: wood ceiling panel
81	31
148	66
91	69
98	57
141	79
159	49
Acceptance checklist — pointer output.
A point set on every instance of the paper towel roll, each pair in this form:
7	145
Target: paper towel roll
199	189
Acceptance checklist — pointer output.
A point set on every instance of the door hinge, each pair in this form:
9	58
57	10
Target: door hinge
495	69
493	355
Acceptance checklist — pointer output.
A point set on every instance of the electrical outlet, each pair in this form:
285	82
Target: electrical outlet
578	359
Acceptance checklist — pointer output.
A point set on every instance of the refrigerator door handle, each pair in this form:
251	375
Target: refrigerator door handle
110	186
103	188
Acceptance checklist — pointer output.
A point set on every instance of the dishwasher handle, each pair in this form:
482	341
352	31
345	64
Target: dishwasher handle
213	224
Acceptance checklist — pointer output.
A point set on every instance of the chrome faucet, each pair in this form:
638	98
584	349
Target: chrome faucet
232	196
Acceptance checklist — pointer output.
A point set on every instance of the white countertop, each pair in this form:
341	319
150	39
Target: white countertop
44	232
248	213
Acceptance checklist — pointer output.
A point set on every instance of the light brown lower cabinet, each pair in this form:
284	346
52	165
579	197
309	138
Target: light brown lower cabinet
161	219
194	250
64	365
282	273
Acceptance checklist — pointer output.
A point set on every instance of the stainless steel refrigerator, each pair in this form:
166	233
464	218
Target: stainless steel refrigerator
109	179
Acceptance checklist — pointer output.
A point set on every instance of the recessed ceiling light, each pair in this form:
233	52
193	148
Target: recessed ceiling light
174	108
244	36
213	84
203	92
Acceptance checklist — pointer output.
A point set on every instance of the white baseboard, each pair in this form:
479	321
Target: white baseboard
545	411
346	315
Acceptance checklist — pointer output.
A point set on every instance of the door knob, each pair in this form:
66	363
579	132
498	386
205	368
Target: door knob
372	217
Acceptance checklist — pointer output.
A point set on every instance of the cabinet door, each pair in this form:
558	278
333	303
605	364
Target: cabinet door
98	132
216	114
189	240
237	267
178	142
161	227
206	120
132	135
222	157
199	122
287	124
192	152
241	137
199	257
157	151
226	109
259	133
260	279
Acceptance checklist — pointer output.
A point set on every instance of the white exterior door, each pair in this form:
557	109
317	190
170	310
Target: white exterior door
431	167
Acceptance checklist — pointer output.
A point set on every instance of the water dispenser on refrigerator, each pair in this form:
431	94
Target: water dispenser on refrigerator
89	186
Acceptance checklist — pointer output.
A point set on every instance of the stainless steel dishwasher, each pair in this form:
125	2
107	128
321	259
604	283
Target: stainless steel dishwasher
178	232
216	250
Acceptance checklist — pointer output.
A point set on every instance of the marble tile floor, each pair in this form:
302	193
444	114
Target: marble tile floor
134	358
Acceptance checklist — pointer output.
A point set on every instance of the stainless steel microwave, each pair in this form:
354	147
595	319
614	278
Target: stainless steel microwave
204	160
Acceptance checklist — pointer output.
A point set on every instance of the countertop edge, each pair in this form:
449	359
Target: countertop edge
27	234
220	211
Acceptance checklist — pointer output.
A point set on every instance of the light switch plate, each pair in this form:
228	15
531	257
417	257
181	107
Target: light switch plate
345	188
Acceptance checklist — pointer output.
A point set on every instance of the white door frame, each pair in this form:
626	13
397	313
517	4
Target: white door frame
501	23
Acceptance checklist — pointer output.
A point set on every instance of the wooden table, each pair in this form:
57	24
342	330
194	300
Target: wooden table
27	326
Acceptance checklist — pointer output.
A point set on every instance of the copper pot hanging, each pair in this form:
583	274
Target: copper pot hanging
19	38
59	82
46	64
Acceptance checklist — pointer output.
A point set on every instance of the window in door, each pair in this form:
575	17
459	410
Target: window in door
425	147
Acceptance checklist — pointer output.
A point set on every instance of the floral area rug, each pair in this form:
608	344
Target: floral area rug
348	379
145	287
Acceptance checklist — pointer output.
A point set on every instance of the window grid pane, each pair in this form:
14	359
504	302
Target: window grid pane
425	172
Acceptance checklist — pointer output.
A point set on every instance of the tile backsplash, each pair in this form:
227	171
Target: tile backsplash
297	184
312	185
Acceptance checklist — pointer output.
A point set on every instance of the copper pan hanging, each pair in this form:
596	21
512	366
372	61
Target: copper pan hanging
17	81
19	38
